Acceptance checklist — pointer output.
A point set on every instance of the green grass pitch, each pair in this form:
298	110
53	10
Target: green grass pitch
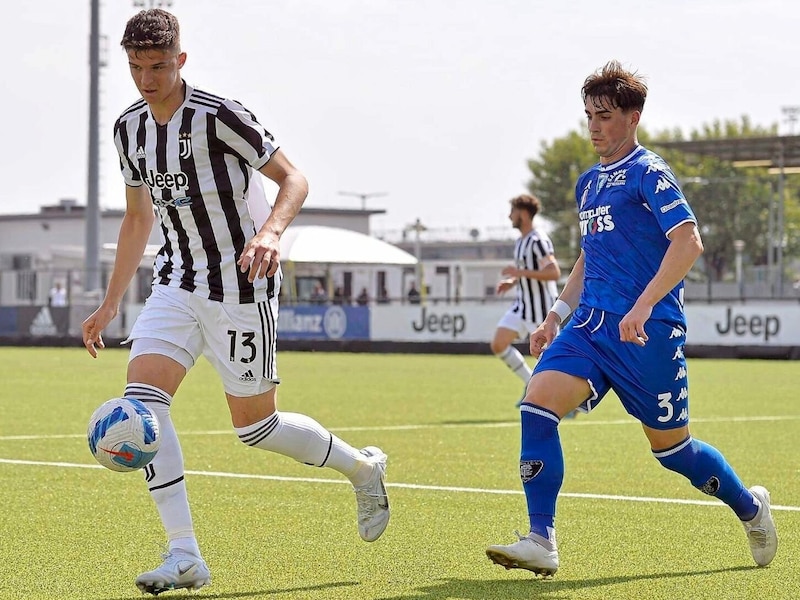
272	528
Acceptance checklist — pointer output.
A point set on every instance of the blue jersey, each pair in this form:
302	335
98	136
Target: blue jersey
627	209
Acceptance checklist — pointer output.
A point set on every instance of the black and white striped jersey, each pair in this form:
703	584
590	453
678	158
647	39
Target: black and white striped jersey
534	297
198	169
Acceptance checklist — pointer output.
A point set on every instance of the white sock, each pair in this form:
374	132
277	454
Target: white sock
187	544
303	439
164	475
516	362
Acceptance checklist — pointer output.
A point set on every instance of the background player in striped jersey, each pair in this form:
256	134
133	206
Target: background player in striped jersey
533	275
639	238
216	284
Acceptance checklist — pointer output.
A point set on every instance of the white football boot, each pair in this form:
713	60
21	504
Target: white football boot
528	552
371	498
760	530
179	570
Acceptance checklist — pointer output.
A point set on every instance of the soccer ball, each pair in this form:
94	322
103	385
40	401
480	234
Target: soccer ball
123	434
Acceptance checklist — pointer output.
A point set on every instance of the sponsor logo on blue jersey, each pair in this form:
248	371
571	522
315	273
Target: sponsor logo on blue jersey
596	220
673	204
617	178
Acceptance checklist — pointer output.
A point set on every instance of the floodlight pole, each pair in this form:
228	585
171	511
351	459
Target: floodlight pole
92	254
779	226
92	250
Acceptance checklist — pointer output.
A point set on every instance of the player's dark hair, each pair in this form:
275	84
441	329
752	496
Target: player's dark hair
617	86
527	202
153	29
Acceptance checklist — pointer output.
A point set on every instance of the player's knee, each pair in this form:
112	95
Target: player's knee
497	346
261	433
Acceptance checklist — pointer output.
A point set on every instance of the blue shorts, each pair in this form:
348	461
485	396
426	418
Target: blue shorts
651	381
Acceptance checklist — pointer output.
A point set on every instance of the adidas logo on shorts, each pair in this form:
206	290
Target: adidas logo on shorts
247	376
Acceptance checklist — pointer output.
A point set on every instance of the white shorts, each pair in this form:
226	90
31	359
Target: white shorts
237	339
511	320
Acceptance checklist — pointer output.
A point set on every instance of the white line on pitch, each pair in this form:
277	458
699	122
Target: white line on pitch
412	427
407	486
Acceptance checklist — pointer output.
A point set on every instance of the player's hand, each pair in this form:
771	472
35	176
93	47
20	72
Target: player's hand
510	272
631	327
261	257
543	336
93	328
504	286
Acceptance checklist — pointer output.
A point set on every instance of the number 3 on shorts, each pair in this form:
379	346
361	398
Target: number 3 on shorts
665	402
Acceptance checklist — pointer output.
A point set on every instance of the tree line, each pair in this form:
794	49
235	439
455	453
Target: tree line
730	203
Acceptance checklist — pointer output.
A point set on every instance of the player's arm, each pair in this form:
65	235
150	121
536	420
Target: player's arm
261	256
567	302
684	249
131	242
549	272
573	288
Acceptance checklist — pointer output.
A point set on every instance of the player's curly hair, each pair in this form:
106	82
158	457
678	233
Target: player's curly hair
153	29
621	88
527	202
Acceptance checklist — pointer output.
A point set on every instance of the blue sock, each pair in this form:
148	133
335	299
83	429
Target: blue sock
541	467
709	472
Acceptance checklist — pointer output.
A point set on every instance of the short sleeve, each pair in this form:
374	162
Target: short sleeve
244	135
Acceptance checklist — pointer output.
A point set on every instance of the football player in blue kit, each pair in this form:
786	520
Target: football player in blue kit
639	239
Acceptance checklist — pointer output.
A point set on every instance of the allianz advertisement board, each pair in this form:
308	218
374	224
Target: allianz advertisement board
315	322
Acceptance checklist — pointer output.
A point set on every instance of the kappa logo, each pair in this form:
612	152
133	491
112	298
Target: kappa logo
676	333
43	323
678	353
140	155
681	374
185	145
656	166
663	185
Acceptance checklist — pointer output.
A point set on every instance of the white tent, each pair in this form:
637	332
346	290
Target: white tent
316	246
331	245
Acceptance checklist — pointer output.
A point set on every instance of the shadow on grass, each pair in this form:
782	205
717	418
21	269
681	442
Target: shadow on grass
525	589
207	593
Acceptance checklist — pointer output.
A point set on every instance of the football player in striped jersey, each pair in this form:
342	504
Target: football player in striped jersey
190	156
533	276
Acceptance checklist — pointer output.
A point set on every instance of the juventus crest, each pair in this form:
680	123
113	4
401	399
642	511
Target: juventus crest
185	145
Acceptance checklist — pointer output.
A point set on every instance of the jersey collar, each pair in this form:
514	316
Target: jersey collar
622	161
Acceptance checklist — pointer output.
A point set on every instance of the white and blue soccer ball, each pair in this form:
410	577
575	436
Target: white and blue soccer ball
123	434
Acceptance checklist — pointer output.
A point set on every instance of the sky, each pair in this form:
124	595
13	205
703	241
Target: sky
434	106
